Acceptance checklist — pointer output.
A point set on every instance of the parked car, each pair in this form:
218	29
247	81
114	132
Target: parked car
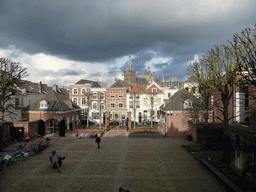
148	122
113	122
84	122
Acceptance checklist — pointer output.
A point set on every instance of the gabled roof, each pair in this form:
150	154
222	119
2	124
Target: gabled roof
120	84
56	102
151	86
33	87
175	103
141	80
136	90
93	83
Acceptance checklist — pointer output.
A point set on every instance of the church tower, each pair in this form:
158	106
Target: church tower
149	76
130	75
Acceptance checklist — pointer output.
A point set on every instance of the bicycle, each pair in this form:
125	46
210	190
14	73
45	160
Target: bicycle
20	146
34	149
3	166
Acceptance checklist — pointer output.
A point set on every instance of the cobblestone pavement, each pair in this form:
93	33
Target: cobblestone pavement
137	164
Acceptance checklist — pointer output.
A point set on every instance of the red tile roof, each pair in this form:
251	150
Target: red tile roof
149	90
136	90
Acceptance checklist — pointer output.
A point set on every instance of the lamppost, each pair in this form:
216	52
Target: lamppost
169	114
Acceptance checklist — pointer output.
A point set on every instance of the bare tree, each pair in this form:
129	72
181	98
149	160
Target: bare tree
244	46
201	74
88	96
10	74
101	102
152	100
134	104
224	70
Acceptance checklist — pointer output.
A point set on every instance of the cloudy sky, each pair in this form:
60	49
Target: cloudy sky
61	42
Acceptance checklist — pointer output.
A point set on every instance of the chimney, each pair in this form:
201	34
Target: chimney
55	88
40	87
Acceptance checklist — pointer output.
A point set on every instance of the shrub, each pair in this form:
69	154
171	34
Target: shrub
210	135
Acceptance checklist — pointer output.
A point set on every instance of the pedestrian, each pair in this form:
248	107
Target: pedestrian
122	124
98	140
56	160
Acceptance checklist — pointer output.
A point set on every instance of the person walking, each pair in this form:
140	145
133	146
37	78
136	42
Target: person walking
98	140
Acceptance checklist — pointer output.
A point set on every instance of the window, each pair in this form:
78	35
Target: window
102	96
120	95
170	84
138	106
68	123
138	97
83	91
43	104
165	84
75	91
112	105
95	115
112	95
158	101
154	90
94	96
212	100
130	97
110	116
83	101
145	101
130	104
94	105
74	100
17	101
116	116
123	116
102	106
169	95
120	104
187	104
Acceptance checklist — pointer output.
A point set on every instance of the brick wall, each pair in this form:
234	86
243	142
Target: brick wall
116	100
177	124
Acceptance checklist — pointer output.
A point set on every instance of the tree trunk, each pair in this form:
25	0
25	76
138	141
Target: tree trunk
1	131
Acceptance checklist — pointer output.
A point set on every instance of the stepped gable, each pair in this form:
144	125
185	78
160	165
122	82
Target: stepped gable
56	102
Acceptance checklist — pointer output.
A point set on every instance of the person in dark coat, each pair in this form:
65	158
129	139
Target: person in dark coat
56	160
98	140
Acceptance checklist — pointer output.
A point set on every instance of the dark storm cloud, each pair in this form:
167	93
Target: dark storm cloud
103	30
95	74
160	65
72	73
61	72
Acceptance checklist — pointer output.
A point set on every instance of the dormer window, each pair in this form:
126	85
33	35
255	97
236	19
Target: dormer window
43	104
154	90
188	104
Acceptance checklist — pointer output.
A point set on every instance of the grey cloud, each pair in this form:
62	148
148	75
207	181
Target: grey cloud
104	30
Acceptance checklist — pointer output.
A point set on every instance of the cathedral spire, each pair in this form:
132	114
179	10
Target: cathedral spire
129	68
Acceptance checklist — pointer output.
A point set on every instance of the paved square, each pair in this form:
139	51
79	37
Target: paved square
137	164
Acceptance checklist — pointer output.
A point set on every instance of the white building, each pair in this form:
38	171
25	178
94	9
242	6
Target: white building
145	102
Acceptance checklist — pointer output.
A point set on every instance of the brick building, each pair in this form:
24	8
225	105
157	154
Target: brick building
85	93
176	112
117	100
54	112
